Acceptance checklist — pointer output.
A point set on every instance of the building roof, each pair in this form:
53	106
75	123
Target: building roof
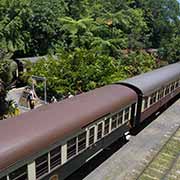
31	59
154	80
35	59
26	135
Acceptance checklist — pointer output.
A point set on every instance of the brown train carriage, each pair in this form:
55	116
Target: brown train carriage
54	140
154	89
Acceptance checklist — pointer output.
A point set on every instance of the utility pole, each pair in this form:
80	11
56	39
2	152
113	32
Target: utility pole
40	78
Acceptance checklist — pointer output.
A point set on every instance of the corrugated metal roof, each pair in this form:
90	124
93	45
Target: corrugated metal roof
32	59
31	132
35	59
151	81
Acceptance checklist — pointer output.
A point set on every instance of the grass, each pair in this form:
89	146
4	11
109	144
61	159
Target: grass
165	163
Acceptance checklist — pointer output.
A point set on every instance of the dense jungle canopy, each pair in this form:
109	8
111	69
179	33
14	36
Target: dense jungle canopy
96	42
31	27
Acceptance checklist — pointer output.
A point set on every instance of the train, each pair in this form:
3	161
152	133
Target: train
53	141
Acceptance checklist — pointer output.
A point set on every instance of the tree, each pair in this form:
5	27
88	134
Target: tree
131	22
76	32
13	19
162	17
79	70
171	50
105	47
44	26
7	69
137	62
77	9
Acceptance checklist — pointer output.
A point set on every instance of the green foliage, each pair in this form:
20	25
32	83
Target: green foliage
77	9
76	31
137	62
13	19
88	37
3	102
7	71
83	70
31	27
44	26
80	70
171	50
162	17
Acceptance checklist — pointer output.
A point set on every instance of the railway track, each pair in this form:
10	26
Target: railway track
165	165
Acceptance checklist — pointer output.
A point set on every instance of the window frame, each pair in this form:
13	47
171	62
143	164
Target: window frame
114	121
40	164
126	119
167	90
18	173
94	135
73	145
107	126
122	118
55	156
84	132
153	98
172	87
176	84
145	103
101	122
161	93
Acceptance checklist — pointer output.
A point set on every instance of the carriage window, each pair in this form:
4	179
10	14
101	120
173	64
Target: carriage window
126	115
99	133
153	98
71	148
41	165
145	102
120	118
3	178
55	157
160	94
106	126
91	136
176	84
19	174
82	141
167	90
172	87
114	122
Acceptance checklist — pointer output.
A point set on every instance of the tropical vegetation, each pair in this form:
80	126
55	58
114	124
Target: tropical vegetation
88	43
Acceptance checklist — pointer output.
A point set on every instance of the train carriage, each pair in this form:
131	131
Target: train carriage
54	140
154	89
